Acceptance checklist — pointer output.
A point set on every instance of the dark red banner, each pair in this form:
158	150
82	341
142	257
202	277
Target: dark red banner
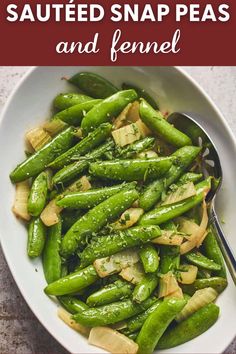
117	32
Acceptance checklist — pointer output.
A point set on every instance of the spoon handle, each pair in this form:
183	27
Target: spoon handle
228	255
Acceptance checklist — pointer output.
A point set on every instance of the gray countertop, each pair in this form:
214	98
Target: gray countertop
20	331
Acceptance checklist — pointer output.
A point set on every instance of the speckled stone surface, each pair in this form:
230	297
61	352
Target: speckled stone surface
20	331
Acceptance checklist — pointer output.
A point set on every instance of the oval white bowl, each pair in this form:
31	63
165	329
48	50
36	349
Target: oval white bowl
29	105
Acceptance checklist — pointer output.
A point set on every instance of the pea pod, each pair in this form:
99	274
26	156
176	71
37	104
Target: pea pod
97	153
153	191
170	258
69	172
38	194
92	197
141	94
217	283
149	258
189	177
107	109
72	304
135	148
111	313
36	238
85	145
202	261
156	324
104	246
66	100
51	255
73	282
190	328
37	162
74	114
144	289
159	125
165	213
131	170
97	218
93	84
212	250
110	293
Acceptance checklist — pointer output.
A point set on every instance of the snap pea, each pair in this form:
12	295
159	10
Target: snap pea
37	162
74	114
38	194
159	125
97	153
36	238
69	172
212	250
97	218
149	258
170	258
190	328
66	100
202	261
145	288
104	246
111	313
107	109
141	94
217	283
156	324
131	170
189	177
85	145
164	213
93	84
153	191
73	282
135	323
92	197
72	304
51	255
118	290
69	218
135	148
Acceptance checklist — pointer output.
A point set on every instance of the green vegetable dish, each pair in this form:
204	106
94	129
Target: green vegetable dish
114	201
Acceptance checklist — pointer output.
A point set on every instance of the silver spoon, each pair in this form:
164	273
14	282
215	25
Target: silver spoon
210	166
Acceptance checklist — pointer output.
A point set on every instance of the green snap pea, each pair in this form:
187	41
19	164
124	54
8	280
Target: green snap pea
111	313
97	218
97	153
202	261
153	191
145	288
51	255
37	162
36	238
74	114
73	282
212	250
135	148
170	258
156	324
190	328
104	246
66	100
92	197
149	258
107	109
72	304
84	146
189	177
131	170
64	270
141	94
158	124
93	84
69	172
165	213
38	194
118	290
218	283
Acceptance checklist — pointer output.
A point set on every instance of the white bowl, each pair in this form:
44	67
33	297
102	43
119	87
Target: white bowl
29	105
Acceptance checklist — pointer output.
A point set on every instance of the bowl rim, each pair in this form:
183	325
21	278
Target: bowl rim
5	108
